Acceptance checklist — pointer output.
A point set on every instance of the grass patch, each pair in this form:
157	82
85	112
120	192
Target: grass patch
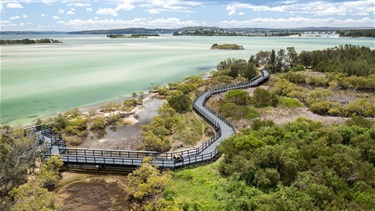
190	129
201	188
285	102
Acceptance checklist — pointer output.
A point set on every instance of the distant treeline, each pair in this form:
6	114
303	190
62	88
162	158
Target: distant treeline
132	36
28	41
357	33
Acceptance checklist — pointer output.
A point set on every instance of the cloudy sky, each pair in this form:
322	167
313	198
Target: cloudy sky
73	15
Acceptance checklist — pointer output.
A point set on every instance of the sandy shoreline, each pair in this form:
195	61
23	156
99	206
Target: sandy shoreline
97	107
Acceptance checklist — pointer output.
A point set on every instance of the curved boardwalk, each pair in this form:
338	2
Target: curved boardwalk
126	158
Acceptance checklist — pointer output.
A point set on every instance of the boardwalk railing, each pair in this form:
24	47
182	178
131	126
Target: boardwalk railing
165	160
121	161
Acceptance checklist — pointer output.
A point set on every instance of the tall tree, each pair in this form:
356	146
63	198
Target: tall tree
17	156
292	56
272	63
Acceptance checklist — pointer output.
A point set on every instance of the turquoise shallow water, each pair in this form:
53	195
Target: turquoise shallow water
43	80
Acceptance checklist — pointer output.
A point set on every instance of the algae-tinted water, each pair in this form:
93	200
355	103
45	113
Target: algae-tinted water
43	80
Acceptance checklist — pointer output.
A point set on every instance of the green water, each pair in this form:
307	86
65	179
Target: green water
38	81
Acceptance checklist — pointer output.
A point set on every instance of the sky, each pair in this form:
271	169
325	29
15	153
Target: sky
73	15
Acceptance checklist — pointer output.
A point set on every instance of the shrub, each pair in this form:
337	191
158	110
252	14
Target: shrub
321	107
264	98
238	97
180	103
257	124
289	102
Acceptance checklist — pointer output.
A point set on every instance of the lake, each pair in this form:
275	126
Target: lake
38	81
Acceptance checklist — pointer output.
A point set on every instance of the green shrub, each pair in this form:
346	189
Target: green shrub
321	107
238	97
264	98
180	103
289	102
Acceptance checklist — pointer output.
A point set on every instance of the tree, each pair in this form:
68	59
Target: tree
304	58
134	95
146	183
34	194
249	71
263	98
17	156
31	196
180	103
272	62
263	57
292	56
154	142
49	173
280	60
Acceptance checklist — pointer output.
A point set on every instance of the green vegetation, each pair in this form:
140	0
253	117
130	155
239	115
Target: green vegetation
23	188
347	59
35	195
357	33
180	103
17	156
192	184
150	187
237	68
189	130
227	47
324	102
28	41
75	126
161	126
302	165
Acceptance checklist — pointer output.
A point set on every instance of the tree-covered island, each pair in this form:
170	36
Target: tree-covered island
226	47
132	36
28	41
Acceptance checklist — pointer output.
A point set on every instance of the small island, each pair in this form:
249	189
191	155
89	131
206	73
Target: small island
227	47
28	41
132	36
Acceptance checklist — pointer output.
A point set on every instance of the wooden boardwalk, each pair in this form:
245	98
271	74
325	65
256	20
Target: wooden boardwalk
128	158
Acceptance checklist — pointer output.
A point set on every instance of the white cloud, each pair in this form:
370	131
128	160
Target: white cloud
317	8
155	11
70	12
79	4
107	11
125	6
241	13
297	22
25	16
232	12
61	11
78	24
43	15
89	9
14	17
56	17
14	6
22	24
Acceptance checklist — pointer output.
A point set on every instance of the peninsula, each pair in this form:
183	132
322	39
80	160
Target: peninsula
28	41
